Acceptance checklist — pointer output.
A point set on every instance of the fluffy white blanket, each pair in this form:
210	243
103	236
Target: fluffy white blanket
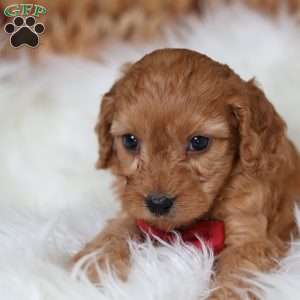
52	200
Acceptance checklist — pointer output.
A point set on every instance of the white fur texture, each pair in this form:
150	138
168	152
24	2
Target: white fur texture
52	200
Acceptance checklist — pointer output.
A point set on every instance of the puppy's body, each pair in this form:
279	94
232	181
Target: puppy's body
186	128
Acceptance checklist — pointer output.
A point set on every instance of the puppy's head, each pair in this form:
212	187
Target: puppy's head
175	128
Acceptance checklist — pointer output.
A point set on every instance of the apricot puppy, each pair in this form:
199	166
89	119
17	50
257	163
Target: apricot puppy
187	138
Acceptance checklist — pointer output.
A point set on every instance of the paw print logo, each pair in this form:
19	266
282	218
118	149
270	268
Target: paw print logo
24	32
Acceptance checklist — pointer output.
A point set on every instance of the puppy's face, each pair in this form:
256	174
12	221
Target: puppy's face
173	156
169	136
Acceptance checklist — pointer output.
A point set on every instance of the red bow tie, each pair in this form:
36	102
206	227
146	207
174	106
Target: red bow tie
211	232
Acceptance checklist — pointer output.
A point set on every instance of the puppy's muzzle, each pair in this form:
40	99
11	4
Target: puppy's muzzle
159	204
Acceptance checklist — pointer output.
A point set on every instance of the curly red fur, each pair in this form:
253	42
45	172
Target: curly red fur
249	177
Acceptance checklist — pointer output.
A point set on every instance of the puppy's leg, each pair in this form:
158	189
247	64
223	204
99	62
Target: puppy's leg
113	248
250	250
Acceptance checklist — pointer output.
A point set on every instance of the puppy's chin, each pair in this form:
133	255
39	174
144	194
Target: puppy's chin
166	224
163	223
171	222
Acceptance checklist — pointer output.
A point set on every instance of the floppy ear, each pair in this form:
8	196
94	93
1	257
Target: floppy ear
263	143
105	118
102	130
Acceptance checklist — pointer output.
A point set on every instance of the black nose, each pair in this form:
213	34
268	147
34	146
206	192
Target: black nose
159	204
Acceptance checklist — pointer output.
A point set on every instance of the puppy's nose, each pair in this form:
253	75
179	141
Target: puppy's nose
159	204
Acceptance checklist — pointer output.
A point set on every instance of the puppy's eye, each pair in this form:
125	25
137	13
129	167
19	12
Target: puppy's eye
130	142
198	143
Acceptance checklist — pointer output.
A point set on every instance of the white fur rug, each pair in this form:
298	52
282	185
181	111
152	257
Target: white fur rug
52	200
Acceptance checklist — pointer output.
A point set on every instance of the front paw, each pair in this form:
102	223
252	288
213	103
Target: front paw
99	256
223	294
229	294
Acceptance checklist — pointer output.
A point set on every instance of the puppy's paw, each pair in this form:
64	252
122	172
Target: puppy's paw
228	294
100	255
223	294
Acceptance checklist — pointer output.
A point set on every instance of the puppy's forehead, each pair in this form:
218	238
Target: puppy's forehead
174	90
172	117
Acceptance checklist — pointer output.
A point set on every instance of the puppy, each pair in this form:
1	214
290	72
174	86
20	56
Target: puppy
187	138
